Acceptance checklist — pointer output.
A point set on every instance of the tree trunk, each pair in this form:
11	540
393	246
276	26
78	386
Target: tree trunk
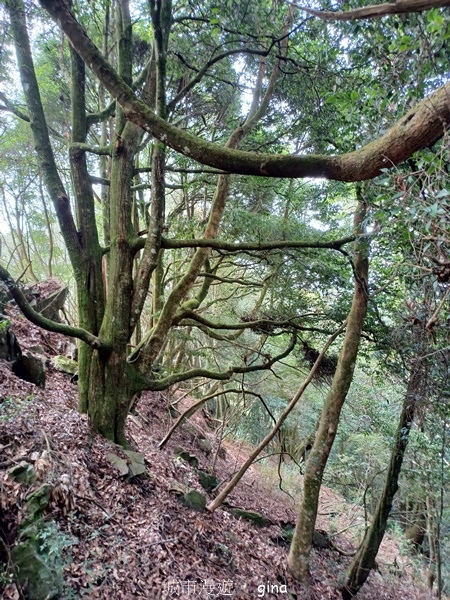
298	559
364	559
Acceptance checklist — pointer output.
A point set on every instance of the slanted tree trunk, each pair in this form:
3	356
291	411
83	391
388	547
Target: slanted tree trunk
364	559
298	559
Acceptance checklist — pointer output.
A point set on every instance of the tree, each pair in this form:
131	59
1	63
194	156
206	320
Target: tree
147	95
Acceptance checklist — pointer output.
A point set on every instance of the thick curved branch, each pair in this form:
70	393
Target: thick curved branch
422	126
41	321
261	323
397	7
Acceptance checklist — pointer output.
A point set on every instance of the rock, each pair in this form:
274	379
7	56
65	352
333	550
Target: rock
222	453
321	539
30	368
287	532
23	473
38	501
37	349
251	516
9	346
205	445
39	579
50	305
207	481
177	488
186	456
130	468
65	364
173	411
119	463
137	466
195	500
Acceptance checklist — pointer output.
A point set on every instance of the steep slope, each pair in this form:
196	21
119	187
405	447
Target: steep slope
134	538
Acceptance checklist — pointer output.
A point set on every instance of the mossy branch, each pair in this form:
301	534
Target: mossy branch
41	321
166	382
172	244
269	437
422	126
398	7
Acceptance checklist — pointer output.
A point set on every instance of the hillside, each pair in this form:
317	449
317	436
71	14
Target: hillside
135	539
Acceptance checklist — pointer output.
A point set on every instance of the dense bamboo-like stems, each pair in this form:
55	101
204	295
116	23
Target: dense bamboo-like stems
269	437
299	552
364	559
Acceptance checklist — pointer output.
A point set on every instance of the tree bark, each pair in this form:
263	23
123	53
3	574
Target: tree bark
422	126
364	559
298	559
398	7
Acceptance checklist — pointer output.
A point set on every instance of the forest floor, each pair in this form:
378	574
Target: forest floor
135	539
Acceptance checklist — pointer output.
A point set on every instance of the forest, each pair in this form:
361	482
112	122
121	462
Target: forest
246	205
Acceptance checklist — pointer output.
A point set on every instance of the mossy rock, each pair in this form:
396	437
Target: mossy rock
177	488
38	501
65	364
321	539
38	579
194	500
207	481
119	463
251	516
135	465
186	456
222	453
9	346
23	473
37	560
288	532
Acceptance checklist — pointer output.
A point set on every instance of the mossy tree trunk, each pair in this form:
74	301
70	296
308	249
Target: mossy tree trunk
298	559
105	386
364	560
111	382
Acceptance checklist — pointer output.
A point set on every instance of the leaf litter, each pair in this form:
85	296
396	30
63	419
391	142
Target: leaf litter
133	538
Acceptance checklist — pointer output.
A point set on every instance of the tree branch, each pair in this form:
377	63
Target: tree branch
246	247
269	437
163	384
41	321
81	147
194	407
397	7
421	127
